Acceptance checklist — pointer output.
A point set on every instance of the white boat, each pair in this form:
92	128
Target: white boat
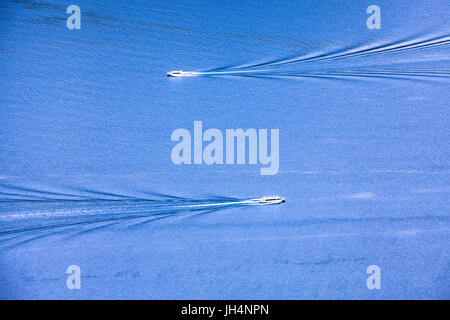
180	73
271	200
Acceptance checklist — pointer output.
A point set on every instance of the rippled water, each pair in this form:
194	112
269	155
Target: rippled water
86	176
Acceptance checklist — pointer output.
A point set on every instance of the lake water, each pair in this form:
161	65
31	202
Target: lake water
87	179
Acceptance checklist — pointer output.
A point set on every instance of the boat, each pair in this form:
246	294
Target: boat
271	200
179	73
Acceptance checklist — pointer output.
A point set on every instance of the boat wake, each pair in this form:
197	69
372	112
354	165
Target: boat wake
35	219
368	61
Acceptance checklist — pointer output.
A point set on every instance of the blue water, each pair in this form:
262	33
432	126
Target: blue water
86	176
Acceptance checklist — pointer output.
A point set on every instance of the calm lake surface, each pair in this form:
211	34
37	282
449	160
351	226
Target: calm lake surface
86	176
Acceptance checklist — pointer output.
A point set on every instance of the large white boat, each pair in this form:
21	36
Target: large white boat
271	200
180	73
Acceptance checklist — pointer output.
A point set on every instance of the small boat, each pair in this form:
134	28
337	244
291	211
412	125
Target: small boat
179	73
271	200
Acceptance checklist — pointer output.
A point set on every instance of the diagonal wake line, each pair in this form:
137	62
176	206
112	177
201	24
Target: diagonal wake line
391	73
13	193
352	52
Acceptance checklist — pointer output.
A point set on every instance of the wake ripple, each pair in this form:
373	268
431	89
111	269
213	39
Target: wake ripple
317	64
23	221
